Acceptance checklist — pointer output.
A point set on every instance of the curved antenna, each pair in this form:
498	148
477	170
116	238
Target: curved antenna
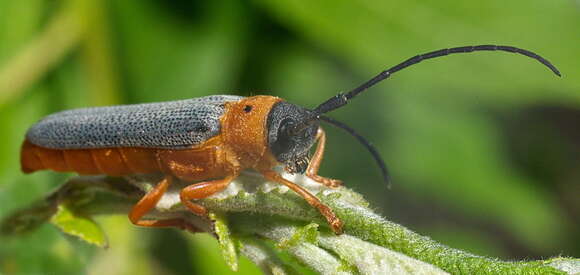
364	142
341	99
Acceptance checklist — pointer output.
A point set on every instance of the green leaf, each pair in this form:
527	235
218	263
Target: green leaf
79	226
225	239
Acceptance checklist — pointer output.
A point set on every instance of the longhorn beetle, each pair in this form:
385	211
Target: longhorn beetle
205	141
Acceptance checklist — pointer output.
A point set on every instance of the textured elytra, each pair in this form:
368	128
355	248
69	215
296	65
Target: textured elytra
169	125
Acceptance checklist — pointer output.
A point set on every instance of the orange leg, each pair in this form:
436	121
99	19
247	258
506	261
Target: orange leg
149	201
203	190
332	219
312	171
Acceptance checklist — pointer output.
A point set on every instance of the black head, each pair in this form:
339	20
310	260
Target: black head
291	147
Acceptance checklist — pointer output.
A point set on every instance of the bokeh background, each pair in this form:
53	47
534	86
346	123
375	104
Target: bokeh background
484	148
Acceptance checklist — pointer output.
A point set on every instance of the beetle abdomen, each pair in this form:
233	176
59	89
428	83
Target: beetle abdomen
166	125
107	161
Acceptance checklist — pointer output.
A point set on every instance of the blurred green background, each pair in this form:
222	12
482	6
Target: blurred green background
484	149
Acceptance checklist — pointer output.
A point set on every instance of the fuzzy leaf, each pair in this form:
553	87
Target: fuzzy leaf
256	211
373	259
265	258
570	266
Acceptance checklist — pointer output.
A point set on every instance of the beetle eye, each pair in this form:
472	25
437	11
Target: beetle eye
248	108
285	126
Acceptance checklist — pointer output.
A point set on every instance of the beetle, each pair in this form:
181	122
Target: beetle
204	141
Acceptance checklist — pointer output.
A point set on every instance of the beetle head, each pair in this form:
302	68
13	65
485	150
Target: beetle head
290	147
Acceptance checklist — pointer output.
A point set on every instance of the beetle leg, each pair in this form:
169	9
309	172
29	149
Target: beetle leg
312	170
334	222
203	190
149	201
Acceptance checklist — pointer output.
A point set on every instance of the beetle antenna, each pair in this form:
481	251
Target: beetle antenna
341	99
364	142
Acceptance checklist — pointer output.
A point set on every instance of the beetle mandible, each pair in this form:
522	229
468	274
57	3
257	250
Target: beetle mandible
205	141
